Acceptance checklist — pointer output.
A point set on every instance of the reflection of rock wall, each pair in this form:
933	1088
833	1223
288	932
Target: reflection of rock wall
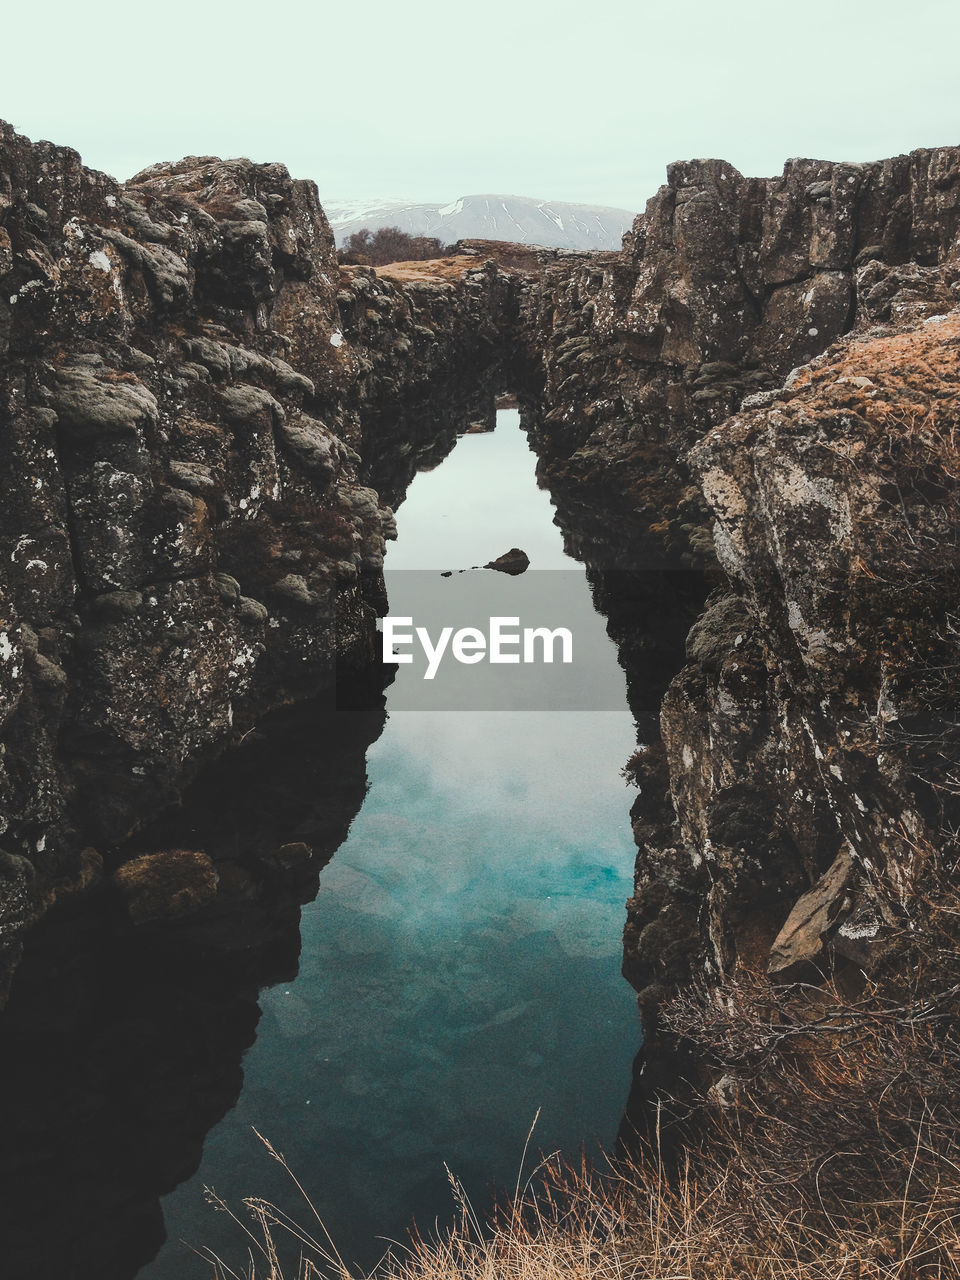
121	1047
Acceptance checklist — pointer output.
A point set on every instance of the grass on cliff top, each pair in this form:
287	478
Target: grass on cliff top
452	268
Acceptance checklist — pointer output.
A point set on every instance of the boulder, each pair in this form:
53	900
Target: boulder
512	562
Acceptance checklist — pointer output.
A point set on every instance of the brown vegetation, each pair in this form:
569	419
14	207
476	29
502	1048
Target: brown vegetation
631	1222
433	269
367	248
159	886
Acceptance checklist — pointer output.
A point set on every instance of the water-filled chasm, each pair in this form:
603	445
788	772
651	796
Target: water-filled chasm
459	971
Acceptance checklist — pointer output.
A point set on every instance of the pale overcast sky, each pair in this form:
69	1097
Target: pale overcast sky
431	100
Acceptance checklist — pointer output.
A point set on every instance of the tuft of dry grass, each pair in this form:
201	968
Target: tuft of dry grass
634	1222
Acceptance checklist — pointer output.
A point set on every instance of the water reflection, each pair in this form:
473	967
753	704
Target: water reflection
460	965
122	1047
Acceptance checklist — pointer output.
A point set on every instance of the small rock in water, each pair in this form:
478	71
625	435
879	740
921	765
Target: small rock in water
513	562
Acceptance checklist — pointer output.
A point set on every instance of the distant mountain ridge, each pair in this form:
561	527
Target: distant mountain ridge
552	223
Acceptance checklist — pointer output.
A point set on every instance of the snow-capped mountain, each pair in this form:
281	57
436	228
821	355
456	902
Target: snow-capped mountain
552	223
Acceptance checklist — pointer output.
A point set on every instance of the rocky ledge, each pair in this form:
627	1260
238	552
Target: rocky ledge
799	812
724	285
809	746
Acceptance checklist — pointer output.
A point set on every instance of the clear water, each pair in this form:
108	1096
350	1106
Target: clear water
460	965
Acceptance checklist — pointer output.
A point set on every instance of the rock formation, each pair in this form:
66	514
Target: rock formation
723	286
185	380
812	736
513	562
202	417
803	791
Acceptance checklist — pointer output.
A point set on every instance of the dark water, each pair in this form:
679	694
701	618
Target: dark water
460	966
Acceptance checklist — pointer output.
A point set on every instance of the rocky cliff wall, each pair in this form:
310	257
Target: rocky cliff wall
695	403
801	798
187	538
723	286
810	744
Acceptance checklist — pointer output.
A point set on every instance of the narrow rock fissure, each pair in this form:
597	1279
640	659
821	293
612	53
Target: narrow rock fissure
238	407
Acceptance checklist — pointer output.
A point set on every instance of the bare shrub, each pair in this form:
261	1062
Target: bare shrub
390	244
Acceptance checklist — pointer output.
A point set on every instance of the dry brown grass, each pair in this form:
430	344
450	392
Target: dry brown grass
633	1222
432	269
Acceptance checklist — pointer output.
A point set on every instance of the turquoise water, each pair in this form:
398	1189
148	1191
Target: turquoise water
460	964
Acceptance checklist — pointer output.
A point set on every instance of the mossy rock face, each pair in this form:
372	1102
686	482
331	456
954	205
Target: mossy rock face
714	635
250	610
160	492
118	604
250	407
92	399
227	587
314	446
16	880
167	885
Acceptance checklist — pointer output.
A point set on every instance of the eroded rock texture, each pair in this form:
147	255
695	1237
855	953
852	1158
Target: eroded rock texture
724	285
187	536
804	790
816	721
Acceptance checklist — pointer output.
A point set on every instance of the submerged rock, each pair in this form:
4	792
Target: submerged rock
166	886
